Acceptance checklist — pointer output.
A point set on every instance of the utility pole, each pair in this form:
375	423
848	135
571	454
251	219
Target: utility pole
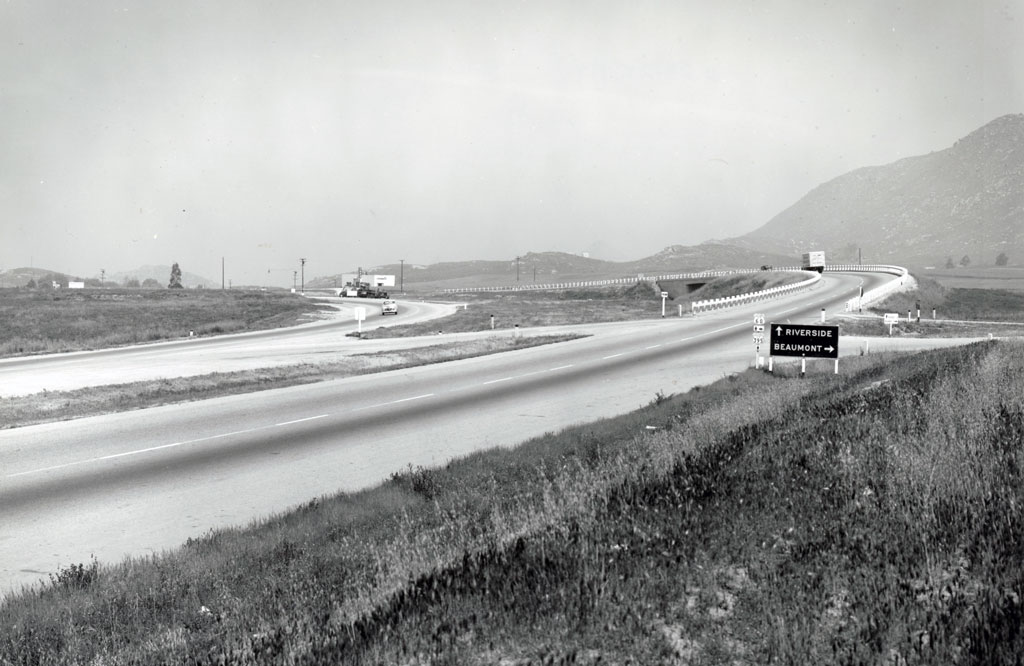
103	276
303	260
295	278
401	278
222	273
517	268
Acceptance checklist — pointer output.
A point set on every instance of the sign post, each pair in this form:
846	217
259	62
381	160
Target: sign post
890	318
804	341
664	295
758	338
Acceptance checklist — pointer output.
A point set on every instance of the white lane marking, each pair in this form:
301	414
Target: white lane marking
561	367
495	381
308	418
612	356
150	449
791	309
415	397
652	347
385	404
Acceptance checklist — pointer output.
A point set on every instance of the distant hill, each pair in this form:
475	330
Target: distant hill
20	277
162	274
563	267
966	200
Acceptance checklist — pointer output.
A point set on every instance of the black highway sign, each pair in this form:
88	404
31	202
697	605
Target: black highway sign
804	340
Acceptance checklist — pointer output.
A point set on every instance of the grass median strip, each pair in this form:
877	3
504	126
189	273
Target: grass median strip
50	406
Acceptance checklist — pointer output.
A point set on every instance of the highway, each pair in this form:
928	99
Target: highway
316	341
141	482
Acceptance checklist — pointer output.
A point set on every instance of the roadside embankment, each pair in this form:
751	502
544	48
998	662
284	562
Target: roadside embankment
875	516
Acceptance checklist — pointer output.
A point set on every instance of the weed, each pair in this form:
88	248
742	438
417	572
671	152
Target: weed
75	576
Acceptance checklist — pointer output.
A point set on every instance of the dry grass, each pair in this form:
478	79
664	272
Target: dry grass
47	321
873	517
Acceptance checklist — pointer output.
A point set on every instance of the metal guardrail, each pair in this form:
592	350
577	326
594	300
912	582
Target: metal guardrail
763	295
598	283
902	282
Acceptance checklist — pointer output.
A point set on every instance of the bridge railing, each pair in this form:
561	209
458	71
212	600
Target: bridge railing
712	304
902	281
598	283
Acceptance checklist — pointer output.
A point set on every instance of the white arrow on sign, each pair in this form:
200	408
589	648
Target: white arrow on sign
778	330
830	349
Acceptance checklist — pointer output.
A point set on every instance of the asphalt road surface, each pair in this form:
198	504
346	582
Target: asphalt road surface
140	482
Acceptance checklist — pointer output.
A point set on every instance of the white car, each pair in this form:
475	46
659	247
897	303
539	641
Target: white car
389	307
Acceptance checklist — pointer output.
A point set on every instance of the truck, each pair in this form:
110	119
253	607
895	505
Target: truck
814	261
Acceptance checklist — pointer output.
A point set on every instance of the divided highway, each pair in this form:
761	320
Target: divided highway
140	482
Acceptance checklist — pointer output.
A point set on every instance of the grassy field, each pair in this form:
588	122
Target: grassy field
47	321
874	517
65	405
988	277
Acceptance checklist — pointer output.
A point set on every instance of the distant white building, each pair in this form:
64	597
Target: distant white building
75	285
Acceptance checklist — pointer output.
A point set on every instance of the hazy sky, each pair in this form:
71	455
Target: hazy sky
361	133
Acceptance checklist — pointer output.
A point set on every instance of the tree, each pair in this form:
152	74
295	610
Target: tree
1002	259
150	283
31	284
965	261
175	277
131	282
949	262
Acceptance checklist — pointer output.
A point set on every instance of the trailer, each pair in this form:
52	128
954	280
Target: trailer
814	261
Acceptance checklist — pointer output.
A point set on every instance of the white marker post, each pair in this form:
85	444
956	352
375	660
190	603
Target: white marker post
758	339
360	315
664	295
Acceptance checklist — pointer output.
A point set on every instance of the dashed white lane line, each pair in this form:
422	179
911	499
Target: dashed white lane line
308	418
605	358
136	452
415	397
561	367
151	449
496	381
652	347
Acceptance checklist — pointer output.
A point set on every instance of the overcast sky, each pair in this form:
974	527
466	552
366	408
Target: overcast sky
361	133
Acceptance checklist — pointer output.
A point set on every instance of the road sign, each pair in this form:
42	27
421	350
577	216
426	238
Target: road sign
891	318
804	340
759	339
758	328
360	313
759	319
664	294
